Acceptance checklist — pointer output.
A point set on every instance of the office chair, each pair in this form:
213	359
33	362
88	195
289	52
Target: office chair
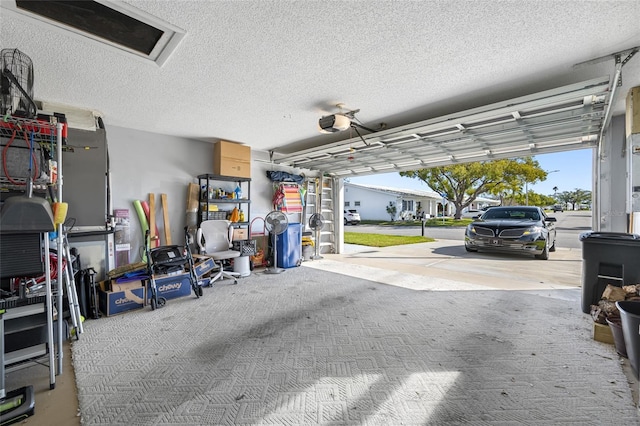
212	238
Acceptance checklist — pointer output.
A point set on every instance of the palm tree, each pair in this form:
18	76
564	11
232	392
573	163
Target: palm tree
555	192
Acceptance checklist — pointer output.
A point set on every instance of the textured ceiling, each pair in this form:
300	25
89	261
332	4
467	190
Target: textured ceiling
263	72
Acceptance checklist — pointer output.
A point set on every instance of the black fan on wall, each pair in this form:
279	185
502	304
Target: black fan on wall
276	222
316	223
16	84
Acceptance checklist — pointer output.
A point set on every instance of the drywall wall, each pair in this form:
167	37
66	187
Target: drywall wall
143	163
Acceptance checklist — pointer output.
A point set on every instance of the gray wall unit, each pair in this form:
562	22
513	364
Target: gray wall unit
84	177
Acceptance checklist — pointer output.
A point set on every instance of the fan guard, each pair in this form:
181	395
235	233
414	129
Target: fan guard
276	222
16	89
316	221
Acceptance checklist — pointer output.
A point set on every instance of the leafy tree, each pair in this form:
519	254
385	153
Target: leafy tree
463	183
575	197
564	197
544	200
535	199
392	210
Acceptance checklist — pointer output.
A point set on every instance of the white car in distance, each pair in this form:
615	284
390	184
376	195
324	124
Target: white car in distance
351	217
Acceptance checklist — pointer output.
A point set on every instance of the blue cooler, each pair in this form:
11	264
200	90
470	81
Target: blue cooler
289	246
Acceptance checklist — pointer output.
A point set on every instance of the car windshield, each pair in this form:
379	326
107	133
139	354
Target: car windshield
515	214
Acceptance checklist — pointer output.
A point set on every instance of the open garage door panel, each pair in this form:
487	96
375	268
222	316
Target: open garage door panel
562	119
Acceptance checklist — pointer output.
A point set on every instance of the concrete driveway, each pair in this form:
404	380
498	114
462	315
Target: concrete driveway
448	266
445	265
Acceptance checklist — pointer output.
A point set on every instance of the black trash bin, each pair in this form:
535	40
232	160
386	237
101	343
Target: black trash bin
630	319
608	258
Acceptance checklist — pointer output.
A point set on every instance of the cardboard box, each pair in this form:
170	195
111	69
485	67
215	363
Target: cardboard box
204	267
232	159
240	234
124	286
171	286
193	196
632	117
602	333
127	297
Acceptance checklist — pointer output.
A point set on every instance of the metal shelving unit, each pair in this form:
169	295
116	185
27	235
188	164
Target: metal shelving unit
207	187
18	314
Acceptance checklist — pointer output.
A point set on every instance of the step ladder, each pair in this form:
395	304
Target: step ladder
319	199
310	203
327	208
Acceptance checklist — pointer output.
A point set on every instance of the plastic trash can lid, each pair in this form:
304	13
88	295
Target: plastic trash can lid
612	236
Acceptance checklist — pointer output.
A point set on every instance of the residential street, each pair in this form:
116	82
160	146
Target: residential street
569	226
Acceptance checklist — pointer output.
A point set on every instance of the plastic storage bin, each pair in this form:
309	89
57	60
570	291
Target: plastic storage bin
607	258
289	245
630	317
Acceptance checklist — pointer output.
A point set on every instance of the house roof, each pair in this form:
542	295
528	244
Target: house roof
415	192
490	201
398	191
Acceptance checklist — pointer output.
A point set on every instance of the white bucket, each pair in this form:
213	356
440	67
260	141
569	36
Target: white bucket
241	266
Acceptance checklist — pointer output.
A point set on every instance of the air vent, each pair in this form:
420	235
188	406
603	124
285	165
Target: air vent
115	24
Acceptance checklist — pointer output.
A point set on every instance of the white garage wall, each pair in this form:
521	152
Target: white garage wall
613	178
143	163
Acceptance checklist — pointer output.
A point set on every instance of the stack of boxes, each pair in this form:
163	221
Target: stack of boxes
116	297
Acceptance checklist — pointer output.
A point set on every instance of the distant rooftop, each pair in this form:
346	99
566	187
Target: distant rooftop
414	192
399	191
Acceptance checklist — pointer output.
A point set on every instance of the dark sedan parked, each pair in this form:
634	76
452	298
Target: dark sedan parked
521	229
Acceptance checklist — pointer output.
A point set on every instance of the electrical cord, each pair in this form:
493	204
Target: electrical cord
31	158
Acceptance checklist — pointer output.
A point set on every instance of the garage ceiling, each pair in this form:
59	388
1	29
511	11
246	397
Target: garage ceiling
442	76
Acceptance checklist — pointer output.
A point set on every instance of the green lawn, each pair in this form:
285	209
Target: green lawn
381	240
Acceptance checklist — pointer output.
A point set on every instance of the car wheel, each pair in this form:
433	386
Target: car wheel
545	253
345	222
469	249
553	247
